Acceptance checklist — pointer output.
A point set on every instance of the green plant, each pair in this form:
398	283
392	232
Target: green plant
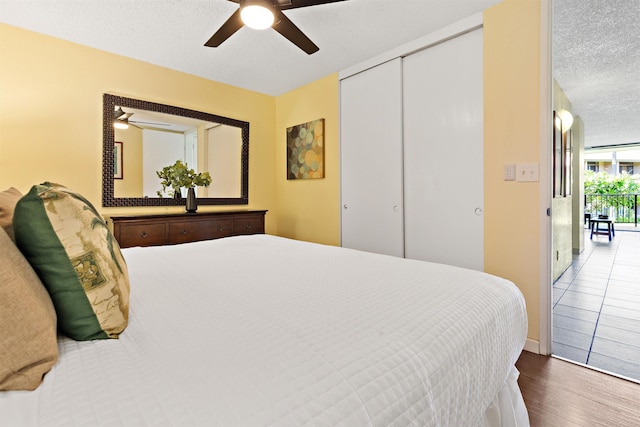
603	183
601	191
179	175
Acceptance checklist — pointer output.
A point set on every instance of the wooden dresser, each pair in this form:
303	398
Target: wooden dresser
169	229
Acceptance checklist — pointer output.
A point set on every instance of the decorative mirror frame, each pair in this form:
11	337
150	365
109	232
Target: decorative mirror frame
108	197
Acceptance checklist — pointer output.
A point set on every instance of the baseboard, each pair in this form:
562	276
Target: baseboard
532	346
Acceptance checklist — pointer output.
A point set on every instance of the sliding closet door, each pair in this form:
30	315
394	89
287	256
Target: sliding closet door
371	159
443	157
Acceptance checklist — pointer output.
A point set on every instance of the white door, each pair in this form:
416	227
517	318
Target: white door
443	153
371	159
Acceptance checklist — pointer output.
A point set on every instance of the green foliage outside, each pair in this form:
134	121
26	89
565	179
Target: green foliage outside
179	175
604	191
603	183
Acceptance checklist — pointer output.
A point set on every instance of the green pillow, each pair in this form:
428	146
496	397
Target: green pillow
68	244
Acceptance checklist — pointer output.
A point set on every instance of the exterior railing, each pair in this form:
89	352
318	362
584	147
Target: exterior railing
623	208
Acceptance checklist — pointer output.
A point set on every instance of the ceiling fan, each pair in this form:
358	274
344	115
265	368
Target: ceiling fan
121	120
262	14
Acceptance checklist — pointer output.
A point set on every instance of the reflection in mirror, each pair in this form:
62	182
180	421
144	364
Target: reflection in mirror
156	135
155	140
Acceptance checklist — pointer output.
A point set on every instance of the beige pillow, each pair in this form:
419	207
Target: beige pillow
28	341
8	200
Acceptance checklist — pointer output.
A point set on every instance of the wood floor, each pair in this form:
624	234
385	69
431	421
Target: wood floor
559	393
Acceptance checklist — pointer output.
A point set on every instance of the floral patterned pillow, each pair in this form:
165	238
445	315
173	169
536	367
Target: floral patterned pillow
78	260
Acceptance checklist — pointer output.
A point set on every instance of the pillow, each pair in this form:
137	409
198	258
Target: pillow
28	341
68	244
8	200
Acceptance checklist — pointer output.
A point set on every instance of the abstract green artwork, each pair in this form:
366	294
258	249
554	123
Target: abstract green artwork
305	150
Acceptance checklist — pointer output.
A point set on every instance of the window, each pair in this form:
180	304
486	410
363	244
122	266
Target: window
593	166
626	167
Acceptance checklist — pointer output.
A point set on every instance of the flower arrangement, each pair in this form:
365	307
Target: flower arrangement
178	175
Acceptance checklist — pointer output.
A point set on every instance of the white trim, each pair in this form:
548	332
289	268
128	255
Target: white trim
546	127
532	346
450	31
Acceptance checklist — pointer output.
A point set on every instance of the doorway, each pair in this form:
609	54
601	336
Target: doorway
596	296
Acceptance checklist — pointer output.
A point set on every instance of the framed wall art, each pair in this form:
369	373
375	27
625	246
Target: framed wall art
305	150
567	164
558	154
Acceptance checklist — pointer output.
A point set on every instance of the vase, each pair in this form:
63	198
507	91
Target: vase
192	201
177	195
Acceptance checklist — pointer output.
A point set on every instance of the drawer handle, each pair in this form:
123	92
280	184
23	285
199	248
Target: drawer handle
143	234
219	228
248	226
184	232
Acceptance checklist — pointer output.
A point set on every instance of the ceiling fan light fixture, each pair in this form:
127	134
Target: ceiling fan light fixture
257	14
121	124
567	119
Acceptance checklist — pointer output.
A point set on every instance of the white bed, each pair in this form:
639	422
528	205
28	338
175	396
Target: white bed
260	330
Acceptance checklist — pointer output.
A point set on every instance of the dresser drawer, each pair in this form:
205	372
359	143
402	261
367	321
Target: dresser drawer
248	225
151	234
164	229
222	228
193	231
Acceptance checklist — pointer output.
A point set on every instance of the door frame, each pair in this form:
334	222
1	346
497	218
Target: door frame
546	135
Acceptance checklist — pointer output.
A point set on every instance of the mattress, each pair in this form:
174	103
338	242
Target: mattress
261	330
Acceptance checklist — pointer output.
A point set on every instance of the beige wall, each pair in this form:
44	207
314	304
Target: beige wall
51	129
578	185
562	208
512	135
131	183
51	114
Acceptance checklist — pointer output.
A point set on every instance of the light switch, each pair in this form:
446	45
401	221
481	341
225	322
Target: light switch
510	172
527	172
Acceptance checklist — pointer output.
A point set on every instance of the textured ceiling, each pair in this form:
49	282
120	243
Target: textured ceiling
596	61
172	33
596	44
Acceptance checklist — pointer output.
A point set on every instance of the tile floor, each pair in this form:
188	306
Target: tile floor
596	305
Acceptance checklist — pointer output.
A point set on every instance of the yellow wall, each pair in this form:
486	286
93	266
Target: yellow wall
51	114
131	183
512	135
309	209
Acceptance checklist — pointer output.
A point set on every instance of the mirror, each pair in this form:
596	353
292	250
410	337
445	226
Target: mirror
157	135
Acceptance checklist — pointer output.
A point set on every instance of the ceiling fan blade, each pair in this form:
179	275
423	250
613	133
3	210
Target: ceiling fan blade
231	25
148	123
293	4
289	30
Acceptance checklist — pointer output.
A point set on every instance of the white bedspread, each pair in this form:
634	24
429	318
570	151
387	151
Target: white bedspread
260	330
